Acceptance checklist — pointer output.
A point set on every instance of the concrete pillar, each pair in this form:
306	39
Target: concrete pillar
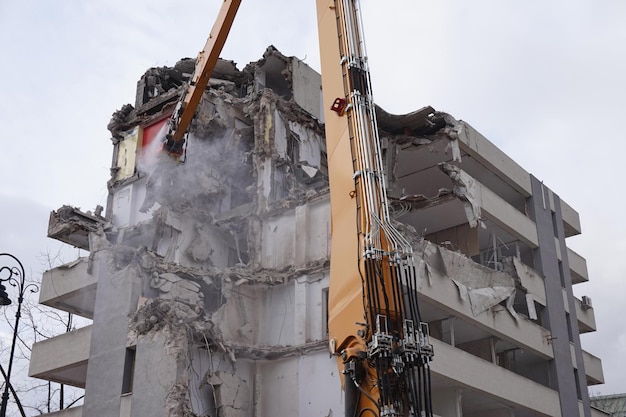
578	360
156	372
556	278
301	238
447	403
116	299
300	306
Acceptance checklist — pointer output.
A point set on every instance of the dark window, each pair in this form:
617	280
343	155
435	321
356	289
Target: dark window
570	332
561	274
129	371
325	312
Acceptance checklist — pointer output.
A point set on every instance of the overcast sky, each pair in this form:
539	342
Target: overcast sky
544	81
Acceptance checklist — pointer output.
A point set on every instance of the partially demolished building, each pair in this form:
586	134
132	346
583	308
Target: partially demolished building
207	281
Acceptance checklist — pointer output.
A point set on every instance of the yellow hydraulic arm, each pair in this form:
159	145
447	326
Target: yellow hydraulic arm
374	324
207	58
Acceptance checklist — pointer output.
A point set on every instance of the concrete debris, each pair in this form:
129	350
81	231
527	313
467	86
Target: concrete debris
200	184
120	122
275	352
529	279
415	238
231	394
238	104
200	248
177	402
156	315
420	201
183	295
453	130
434	137
206	177
72	226
173	287
482	287
160	80
530	304
159	88
466	189
417	124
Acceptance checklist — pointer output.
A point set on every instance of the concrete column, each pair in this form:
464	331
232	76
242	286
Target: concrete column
300	305
561	369
447	403
116	299
301	238
573	322
157	370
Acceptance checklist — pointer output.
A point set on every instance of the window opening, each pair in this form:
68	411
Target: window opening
129	370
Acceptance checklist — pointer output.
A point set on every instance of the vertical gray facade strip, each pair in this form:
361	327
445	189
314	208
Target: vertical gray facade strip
107	354
567	281
561	369
157	374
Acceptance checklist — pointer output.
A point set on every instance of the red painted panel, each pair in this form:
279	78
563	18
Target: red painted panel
151	142
152	131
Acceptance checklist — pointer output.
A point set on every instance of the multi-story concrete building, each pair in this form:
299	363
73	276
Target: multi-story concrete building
207	281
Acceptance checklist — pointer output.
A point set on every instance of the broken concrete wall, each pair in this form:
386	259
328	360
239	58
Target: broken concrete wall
232	394
531	280
264	387
466	189
444	191
297	236
208	183
278	304
257	316
426	184
253	317
312	300
72	226
216	387
237	321
126	202
287	167
481	287
157	365
288	388
285	155
306	82
462	238
273	72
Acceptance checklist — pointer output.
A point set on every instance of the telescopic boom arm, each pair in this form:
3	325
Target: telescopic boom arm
205	64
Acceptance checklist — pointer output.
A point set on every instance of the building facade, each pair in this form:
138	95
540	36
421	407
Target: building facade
207	281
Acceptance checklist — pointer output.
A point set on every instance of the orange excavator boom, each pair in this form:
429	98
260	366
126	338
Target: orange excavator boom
205	64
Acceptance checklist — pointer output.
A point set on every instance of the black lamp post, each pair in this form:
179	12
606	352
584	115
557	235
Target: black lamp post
16	278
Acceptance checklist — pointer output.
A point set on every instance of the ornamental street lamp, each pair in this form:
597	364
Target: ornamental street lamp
16	278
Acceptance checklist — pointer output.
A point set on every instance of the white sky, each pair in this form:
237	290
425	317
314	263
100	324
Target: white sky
542	80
